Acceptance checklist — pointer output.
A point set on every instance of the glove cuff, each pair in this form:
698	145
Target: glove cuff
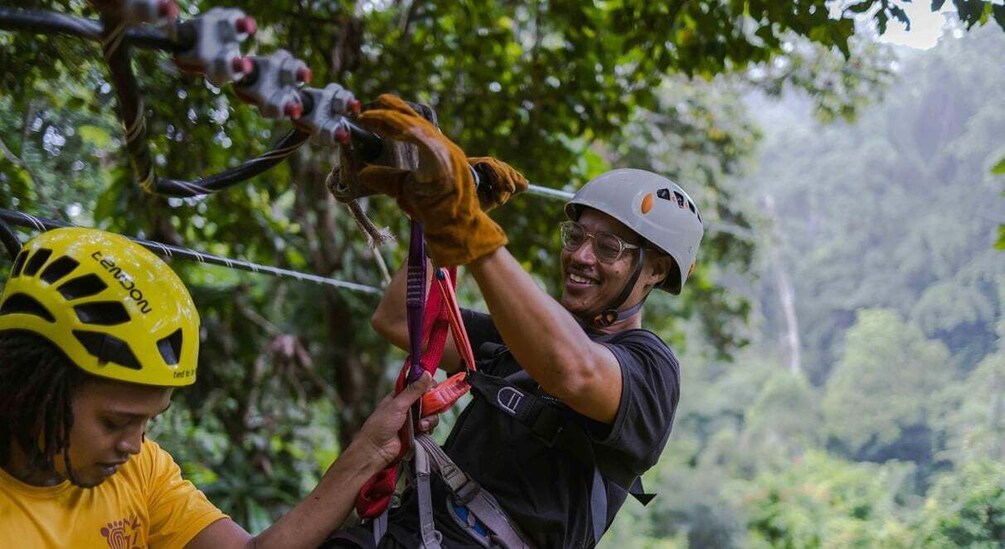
462	242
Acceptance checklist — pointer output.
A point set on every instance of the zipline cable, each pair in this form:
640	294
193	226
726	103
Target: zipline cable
548	192
41	224
48	22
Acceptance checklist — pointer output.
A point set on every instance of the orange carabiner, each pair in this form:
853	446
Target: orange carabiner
445	394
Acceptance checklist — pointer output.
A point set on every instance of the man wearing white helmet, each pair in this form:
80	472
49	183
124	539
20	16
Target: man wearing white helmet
573	400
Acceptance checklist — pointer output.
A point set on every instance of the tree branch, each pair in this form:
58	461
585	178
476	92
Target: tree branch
14	159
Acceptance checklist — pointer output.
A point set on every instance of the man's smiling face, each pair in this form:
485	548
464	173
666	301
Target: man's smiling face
590	285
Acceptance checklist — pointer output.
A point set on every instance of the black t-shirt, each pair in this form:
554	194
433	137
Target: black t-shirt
546	490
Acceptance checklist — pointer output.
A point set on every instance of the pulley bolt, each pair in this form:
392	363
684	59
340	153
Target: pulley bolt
304	75
293	109
167	9
246	25
242	65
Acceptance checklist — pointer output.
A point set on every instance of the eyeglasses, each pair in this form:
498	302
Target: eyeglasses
606	246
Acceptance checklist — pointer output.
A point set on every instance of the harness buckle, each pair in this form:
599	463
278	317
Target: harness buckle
461	485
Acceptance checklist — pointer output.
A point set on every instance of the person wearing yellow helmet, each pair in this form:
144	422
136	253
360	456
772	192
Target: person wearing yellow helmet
95	334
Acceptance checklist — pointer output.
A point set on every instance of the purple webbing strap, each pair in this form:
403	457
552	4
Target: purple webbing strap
415	300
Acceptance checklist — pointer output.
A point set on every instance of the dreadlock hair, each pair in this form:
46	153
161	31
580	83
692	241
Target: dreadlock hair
37	383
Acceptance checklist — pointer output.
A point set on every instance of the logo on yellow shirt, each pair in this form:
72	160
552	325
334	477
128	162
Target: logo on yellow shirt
122	534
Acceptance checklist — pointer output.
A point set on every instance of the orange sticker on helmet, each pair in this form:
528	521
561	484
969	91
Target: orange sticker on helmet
647	203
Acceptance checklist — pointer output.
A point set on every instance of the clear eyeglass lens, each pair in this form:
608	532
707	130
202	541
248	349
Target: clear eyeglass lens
607	246
573	236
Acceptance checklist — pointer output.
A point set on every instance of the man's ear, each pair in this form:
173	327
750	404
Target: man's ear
659	268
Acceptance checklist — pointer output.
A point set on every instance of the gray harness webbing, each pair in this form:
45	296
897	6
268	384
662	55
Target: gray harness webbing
429	457
423	468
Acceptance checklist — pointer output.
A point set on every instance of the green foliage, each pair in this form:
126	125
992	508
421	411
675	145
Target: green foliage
885	356
821	501
563	91
875	228
839	88
783	423
974	424
966	508
699	135
999	169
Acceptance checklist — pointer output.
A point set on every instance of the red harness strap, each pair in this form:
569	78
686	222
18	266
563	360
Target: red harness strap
446	394
441	312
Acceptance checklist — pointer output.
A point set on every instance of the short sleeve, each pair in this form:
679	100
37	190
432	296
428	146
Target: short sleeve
650	391
178	510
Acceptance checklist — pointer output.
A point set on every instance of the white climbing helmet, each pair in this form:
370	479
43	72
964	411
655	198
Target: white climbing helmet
654	207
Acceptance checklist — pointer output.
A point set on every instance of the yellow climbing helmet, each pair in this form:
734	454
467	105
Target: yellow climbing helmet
115	309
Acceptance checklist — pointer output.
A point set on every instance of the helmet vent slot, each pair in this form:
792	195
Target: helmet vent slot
83	286
108	348
170	347
59	269
36	262
15	271
103	313
26	305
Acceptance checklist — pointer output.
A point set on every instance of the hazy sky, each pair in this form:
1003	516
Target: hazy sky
926	27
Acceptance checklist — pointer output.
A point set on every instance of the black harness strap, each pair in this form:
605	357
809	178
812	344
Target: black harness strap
555	427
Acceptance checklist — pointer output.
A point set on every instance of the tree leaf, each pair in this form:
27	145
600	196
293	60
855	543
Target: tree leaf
94	135
999	168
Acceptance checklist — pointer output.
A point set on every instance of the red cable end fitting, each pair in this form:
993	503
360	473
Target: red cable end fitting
342	135
293	110
354	106
167	9
304	75
246	25
242	65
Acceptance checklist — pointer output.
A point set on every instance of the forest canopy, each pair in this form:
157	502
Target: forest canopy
868	178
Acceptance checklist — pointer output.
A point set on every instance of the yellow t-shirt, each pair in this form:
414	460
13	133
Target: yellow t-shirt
146	503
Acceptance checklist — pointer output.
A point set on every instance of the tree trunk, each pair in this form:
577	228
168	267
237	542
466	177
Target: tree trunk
786	292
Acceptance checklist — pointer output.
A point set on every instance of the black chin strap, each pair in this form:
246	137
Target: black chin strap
610	315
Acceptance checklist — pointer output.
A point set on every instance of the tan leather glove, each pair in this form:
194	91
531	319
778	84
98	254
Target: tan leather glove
440	194
499	181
